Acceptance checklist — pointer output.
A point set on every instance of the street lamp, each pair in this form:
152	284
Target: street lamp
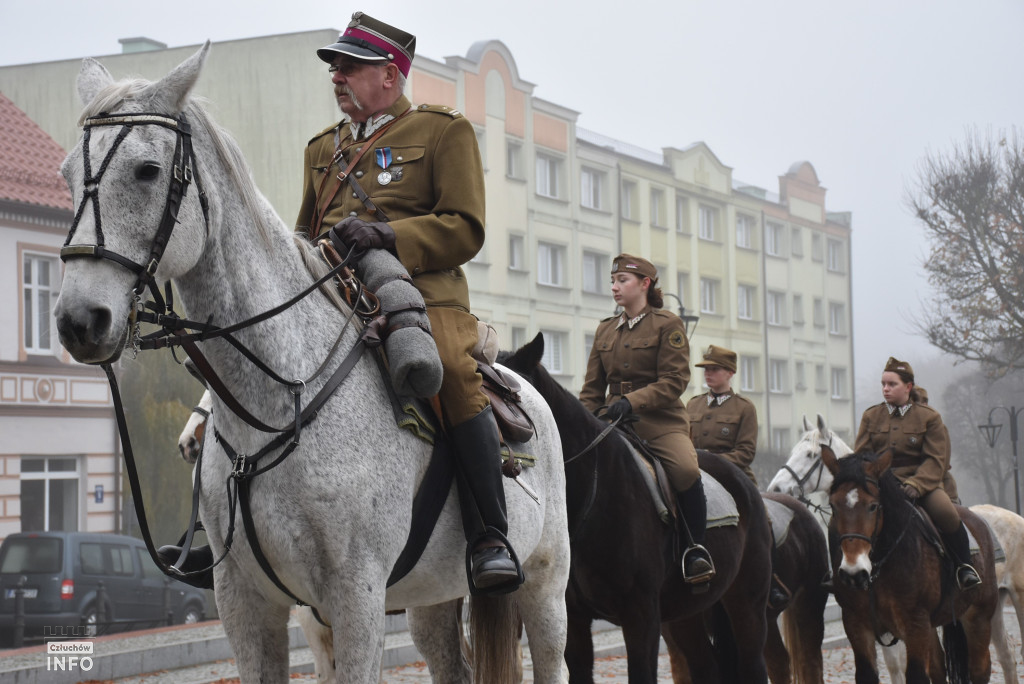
991	432
688	319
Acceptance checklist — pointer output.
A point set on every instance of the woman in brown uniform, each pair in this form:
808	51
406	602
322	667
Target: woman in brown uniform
920	445
640	364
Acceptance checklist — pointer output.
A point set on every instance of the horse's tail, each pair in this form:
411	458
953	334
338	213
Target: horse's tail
725	648
494	629
803	627
954	642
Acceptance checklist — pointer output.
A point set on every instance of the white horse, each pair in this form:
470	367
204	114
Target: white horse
333	517
804	477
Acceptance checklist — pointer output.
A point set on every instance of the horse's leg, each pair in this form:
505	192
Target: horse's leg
746	614
938	670
321	644
541	602
690	636
642	633
776	657
862	642
677	660
804	626
895	658
1001	642
978	622
919	639
257	629
579	648
1015	592
436	631
358	619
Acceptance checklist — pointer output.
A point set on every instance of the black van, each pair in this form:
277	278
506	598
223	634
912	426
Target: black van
62	572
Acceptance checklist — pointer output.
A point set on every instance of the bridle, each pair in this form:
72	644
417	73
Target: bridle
817	467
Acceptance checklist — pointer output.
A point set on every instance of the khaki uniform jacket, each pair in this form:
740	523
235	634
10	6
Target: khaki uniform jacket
434	201
654	357
918	439
728	429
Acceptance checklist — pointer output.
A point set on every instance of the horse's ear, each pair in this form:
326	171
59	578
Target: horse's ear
807	424
882	463
535	350
92	78
822	427
828	457
171	93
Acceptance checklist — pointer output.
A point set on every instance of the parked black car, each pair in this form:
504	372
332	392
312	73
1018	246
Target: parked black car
62	572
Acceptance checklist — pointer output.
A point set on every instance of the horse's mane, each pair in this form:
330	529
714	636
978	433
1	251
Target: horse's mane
547	386
110	98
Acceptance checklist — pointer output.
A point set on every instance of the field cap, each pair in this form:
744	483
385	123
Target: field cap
627	263
719	356
370	40
894	365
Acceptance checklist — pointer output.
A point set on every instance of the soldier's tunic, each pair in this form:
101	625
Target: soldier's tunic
648	364
426	175
727	428
920	445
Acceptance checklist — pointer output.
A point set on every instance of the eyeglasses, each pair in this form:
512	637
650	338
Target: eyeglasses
348	68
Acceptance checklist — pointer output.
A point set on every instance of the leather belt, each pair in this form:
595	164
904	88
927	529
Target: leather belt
623	388
906	461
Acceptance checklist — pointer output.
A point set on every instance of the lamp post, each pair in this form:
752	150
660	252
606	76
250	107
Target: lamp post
991	431
688	319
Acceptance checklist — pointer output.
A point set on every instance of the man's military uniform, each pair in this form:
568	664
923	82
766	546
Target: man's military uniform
725	425
424	173
919	442
648	364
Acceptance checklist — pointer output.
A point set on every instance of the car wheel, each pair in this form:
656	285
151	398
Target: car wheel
89	619
193	614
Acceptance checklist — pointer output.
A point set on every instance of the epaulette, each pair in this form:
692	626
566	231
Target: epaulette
610	318
329	129
440	109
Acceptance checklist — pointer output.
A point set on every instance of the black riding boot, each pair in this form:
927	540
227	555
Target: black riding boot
697	565
198	558
482	496
779	594
958	547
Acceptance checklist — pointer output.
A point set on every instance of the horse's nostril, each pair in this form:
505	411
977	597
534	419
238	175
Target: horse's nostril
99	323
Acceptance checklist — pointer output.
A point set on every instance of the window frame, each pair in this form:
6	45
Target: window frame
552	166
544	266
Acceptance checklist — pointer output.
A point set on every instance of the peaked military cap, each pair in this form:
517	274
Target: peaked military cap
719	356
894	365
370	40
627	263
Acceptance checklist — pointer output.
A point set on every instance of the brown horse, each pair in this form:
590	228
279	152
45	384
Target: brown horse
624	567
801	563
894	580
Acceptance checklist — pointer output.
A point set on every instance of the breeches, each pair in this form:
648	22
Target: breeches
455	334
941	510
677	456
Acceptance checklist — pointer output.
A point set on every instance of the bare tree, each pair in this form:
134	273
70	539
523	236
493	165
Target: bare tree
971	202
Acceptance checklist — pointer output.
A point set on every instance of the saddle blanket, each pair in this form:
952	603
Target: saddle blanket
722	511
780	516
997	548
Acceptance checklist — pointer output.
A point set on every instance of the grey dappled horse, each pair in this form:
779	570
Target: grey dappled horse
333	516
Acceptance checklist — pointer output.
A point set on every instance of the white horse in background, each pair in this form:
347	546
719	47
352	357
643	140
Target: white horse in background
805	477
333	517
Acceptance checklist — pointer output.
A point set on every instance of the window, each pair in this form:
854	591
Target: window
780	440
481	142
548	170
796	242
657	207
513	159
49	494
708	296
515	252
798	309
838	383
628	199
819	378
744	231
777	372
745	302
819	313
776	313
683	287
550	260
836	257
518	337
552	359
595	272
748	374
800	373
588	345
836	319
40	284
706	216
816	249
773	239
682	215
591	188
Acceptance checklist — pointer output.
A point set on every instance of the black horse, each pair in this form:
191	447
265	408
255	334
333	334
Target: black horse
625	568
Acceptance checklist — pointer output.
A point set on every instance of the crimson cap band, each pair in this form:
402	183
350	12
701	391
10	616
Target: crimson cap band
627	263
370	40
718	356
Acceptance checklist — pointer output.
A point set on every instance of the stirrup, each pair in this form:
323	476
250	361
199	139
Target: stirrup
967	577
779	595
509	584
704	567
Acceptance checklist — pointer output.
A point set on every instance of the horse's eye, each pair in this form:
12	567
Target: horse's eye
872	508
147	171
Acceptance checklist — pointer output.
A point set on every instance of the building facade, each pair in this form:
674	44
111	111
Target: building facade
767	271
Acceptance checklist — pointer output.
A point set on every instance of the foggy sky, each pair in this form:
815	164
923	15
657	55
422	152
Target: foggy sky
861	90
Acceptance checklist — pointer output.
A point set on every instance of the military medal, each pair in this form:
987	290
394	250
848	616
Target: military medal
384	161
